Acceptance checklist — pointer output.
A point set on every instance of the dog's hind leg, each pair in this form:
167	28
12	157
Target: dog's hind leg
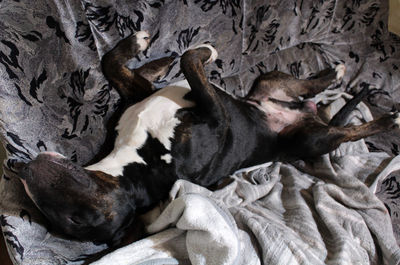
340	118
268	85
323	80
130	86
155	69
312	139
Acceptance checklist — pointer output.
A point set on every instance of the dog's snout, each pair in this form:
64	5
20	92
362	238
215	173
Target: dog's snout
22	169
19	165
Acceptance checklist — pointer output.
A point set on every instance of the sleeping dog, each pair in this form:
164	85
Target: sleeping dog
190	130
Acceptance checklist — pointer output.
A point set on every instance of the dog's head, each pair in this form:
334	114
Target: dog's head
87	205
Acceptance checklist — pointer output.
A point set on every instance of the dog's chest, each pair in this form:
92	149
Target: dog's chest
153	117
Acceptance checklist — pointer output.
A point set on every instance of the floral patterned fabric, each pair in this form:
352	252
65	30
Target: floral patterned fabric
54	97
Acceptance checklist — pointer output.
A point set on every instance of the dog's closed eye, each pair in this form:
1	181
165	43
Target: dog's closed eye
75	220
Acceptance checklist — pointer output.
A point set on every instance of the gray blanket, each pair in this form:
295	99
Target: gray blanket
54	97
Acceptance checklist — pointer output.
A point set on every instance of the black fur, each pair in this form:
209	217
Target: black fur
217	136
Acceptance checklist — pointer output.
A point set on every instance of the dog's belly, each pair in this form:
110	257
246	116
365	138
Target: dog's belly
153	117
279	117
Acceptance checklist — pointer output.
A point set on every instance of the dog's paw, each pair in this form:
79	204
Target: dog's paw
214	53
396	119
340	71
142	40
389	121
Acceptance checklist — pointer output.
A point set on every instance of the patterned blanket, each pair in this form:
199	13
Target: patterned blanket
54	97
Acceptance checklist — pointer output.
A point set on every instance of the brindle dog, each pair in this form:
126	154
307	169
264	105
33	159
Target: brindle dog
192	131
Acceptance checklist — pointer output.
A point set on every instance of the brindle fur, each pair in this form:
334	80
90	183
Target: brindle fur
217	136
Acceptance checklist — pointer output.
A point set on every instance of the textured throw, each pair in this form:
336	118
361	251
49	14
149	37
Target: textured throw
54	97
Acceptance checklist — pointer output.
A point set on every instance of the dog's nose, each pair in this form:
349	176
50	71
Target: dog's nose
22	169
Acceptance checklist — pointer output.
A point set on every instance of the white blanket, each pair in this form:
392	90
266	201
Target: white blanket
319	212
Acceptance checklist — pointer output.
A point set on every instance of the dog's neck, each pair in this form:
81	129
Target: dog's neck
138	192
115	162
145	190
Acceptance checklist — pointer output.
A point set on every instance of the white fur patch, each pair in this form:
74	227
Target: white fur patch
340	71
397	119
154	115
143	39
280	95
214	53
167	158
278	117
115	162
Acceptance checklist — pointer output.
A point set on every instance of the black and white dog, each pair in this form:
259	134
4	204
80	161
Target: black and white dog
191	131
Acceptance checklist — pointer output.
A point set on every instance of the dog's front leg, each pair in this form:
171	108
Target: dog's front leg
133	84
208	102
131	87
153	70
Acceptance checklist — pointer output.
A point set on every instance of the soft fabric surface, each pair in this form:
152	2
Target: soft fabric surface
54	97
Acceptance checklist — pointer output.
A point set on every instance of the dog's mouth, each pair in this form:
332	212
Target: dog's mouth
53	157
